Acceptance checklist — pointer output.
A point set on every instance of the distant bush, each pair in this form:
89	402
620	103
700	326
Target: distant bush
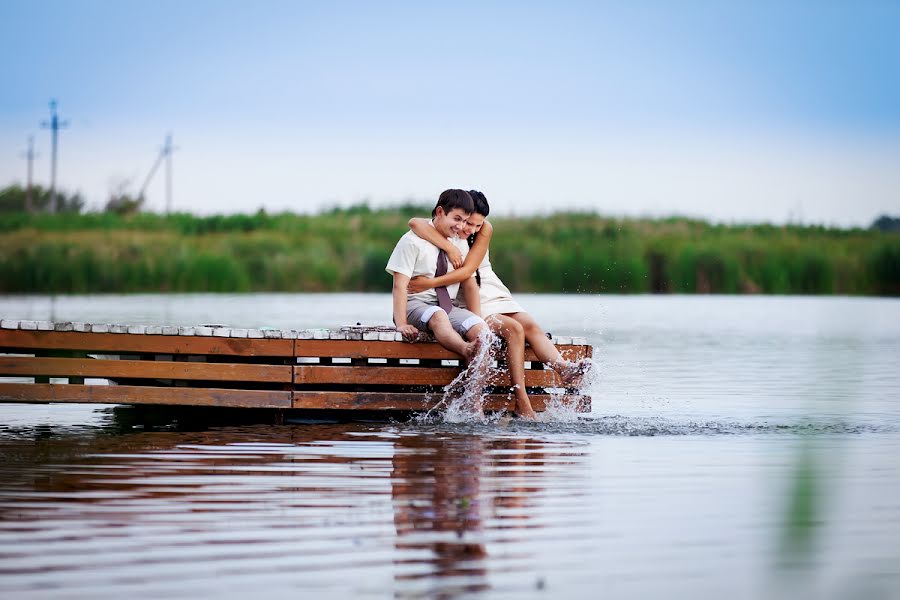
347	248
887	224
15	199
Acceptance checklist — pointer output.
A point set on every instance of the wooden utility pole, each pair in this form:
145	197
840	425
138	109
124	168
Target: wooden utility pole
54	125
165	153
29	156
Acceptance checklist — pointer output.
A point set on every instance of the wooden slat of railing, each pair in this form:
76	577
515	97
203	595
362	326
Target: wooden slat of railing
21	366
574	352
377	375
414	402
123	394
143	344
126	394
373	349
16	339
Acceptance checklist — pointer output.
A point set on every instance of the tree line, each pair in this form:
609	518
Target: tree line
347	249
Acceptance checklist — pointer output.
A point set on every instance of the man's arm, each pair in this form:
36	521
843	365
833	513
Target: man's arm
398	293
472	295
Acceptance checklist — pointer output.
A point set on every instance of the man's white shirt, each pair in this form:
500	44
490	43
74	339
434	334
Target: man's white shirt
413	256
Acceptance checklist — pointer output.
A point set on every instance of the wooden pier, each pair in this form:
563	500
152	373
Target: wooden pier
354	368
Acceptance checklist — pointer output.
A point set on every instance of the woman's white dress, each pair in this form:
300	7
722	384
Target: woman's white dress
495	297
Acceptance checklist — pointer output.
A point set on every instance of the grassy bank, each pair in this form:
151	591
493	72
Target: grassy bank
346	250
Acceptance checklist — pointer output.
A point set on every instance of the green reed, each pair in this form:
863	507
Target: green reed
346	250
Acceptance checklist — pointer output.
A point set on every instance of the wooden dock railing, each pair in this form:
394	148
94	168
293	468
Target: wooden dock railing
349	369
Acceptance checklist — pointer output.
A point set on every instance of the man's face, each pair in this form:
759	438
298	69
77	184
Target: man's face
473	224
450	224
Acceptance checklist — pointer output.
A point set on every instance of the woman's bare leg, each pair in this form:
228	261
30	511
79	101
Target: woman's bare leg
510	330
537	339
571	373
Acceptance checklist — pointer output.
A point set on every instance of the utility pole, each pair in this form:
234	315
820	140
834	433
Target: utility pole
54	125
165	153
29	156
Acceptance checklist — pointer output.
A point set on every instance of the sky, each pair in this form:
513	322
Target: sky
756	111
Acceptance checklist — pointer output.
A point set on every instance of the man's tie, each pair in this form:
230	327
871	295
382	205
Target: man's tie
442	293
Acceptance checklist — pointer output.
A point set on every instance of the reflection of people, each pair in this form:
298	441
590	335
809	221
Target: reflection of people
522	462
497	305
436	491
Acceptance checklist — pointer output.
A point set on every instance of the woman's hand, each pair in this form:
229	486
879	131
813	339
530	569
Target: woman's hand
419	284
455	257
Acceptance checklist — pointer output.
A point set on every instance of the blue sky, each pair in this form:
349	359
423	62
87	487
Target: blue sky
755	111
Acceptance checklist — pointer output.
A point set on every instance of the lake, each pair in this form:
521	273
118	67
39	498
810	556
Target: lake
744	446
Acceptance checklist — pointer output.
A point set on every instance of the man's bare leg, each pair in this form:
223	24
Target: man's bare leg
446	336
514	334
480	373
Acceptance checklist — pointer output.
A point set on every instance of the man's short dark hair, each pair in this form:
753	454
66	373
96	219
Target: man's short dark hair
451	199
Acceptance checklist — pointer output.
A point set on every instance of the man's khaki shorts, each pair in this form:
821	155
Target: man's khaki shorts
418	314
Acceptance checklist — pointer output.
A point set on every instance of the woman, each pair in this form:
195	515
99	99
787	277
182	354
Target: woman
498	308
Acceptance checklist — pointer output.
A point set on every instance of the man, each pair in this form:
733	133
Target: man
414	256
503	325
456	329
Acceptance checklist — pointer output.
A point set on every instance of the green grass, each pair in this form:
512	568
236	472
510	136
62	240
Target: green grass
346	250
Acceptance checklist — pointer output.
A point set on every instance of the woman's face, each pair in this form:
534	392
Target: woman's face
473	224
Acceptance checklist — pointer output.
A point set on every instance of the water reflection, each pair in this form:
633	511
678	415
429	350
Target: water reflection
409	511
436	489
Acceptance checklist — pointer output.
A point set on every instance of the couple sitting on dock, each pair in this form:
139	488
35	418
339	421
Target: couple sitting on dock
449	253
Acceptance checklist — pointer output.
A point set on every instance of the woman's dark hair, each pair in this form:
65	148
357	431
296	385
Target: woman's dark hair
450	199
482	208
481	204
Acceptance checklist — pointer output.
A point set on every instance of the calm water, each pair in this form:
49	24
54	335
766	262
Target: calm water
740	446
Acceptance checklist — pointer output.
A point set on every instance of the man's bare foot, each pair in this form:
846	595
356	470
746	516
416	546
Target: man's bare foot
472	349
478	411
572	373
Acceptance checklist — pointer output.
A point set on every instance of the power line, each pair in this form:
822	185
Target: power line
54	125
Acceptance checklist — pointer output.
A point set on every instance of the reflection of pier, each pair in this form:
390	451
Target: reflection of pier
355	368
411	512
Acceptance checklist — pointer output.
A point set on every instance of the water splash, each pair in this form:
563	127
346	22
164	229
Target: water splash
464	397
560	409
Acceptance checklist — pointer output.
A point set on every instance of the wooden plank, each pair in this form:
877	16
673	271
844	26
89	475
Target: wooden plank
127	394
377	375
371	349
576	352
413	402
144	344
380	349
174	344
143	369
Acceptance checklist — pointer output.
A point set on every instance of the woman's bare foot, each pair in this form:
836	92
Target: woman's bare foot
572	373
528	415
